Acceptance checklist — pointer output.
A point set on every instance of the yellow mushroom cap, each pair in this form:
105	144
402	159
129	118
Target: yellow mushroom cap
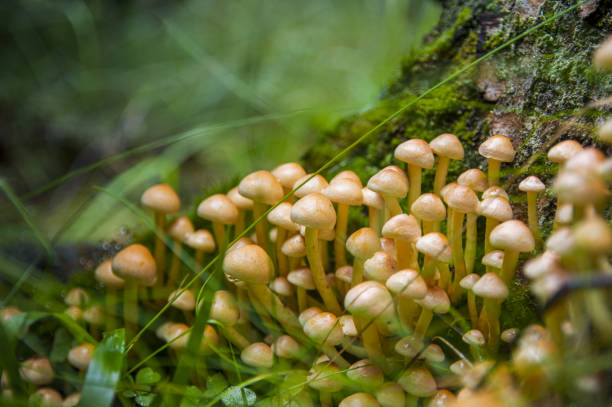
369	299
240	201
80	356
433	353
462	199
262	187
428	207
602	57
344	191
258	354
314	185
74	312
436	300
418	381
161	198
473	337
475	179
45	397
403	227
512	235
286	347
544	263
325	377
498	148
347	174
407	283
135	263
94	315
436	246
347	323
380	266
37	371
345	273
593	235
185	301
409	346
308	313
561	152
390	394
447	145
491	286
532	184
314	211
390	181
281	216
359	400
363	243
218	208
104	275
495	191
302	278
282	287
495	208
201	239
415	152
288	173
372	199
180	228
250	264
224	308
76	297
324	328
495	259
365	373
295	246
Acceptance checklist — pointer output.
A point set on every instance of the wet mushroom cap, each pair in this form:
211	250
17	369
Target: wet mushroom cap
45	397
308	313
407	283
415	152
498	148
473	337
380	266
602	57
104	275
593	235
428	207
512	235
495	191
475	179
561	152
314	211
462	199
542	264
295	246
218	208
347	174
201	239
418	382
80	356
286	347
250	264
135	263
447	145
365	373
240	201
532	184
390	394
37	371
315	184
261	186
580	188
258	354
495	208
185	301
345	273
494	258
324	328
436	246
76	297
180	228
436	300
369	299
468	281
301	278
282	287
288	173
281	216
344	191
359	400
363	243
491	286
586	160
372	199
224	308
403	227
161	198
389	181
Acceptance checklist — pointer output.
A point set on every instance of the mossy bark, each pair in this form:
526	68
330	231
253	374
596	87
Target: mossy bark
532	92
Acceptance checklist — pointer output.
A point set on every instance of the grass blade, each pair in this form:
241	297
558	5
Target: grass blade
104	371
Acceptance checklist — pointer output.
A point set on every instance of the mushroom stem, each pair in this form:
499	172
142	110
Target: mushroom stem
473	310
449	221
429	226
130	308
235	337
340	240
553	317
357	276
374	219
407	310
160	247
411	401
470	242
509	266
406	255
199	260
318	273
371	340
325	398
392	206
429	269
441	171
275	307
532	217
335	356
239	228
260	228
555	225
489	323
490	224
302	299
219	232
111	309
423	322
175	266
283	262
457	248
493	171
414	177
445	275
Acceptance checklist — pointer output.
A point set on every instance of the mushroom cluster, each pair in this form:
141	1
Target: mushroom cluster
369	321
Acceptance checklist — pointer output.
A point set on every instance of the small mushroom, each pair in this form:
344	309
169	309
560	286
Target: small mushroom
496	149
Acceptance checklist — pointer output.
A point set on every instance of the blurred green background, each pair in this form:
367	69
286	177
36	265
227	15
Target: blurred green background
247	85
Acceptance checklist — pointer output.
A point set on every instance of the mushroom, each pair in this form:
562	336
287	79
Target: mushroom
105	276
302	279
435	301
225	310
77	297
380	266
179	230
604	132
531	186
467	283
95	318
417	382
362	244
477	181
494	291
325	330
366	375
495	210
417	155
512	237
263	189
221	211
281	217
316	212
326	379
559	154
408	286
429	209
37	371
162	200
602	57
185	301
497	149
72	400
376	205
390	394
437	254
405	231
258	355
136	266
202	242
359	400
462	200
345	192
80	356
287	174
242	204
392	184
45	397
447	147
475	339
295	249
316	184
